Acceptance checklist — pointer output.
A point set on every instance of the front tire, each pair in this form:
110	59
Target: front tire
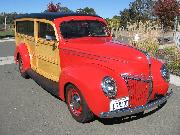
21	70
77	105
140	114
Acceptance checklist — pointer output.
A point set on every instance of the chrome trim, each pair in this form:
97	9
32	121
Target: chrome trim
150	76
135	77
165	67
130	111
108	93
138	78
75	102
148	58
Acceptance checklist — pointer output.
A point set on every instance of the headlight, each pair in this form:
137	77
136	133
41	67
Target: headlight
165	73
109	86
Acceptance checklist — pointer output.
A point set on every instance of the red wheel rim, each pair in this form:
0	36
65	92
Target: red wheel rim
74	102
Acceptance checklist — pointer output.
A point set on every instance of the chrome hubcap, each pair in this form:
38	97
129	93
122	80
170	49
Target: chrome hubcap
75	102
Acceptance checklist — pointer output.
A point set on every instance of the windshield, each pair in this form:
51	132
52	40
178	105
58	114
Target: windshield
76	29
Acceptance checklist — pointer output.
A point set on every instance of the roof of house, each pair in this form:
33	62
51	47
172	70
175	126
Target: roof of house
51	15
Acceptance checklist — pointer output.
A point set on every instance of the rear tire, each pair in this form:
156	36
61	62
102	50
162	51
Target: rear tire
77	105
21	70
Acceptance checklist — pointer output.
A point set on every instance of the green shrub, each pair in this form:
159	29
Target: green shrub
174	67
6	33
149	45
171	55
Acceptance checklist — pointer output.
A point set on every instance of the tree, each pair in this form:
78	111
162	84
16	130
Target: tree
57	8
86	10
166	10
139	10
10	17
65	9
53	7
125	17
114	22
143	8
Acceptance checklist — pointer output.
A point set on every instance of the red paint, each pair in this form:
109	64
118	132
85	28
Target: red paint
84	62
138	93
160	86
23	51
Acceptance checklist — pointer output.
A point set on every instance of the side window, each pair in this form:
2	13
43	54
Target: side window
46	31
25	27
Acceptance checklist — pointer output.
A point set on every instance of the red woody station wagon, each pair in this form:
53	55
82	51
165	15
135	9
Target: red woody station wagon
74	57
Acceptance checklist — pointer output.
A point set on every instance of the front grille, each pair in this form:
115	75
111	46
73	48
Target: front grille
138	88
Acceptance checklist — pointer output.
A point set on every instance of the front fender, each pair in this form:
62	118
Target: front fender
22	50
87	79
160	86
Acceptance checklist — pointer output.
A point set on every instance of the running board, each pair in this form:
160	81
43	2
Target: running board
50	86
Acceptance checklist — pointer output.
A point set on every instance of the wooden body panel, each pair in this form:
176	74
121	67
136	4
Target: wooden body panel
44	55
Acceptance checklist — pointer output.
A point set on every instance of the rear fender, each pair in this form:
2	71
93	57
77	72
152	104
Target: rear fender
21	50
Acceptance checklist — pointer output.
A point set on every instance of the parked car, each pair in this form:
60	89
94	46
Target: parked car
74	57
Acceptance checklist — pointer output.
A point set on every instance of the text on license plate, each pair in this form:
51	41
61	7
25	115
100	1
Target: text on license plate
119	103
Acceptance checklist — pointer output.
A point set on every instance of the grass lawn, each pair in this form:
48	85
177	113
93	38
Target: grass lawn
8	33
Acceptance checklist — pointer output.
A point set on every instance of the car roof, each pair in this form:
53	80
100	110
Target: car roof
52	15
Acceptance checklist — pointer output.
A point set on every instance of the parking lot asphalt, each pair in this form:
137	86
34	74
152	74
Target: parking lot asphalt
27	109
7	48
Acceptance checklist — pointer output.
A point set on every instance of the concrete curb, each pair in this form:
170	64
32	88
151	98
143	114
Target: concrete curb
175	80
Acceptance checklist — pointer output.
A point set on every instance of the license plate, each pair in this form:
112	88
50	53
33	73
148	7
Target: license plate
119	103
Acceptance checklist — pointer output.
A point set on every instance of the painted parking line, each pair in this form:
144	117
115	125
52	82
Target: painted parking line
6	40
7	60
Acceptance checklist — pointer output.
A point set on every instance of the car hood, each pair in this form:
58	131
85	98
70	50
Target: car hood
107	49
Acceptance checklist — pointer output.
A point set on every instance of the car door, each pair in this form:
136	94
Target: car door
25	33
47	51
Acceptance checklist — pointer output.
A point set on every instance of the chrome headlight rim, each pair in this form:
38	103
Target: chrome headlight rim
165	73
109	86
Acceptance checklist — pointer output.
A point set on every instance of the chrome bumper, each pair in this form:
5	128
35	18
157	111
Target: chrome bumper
130	111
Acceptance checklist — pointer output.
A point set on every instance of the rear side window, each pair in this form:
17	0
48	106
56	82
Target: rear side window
25	27
46	31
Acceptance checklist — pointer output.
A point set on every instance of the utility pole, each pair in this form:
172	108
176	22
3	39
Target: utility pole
176	29
5	23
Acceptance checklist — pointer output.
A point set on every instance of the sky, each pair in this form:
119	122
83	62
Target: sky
104	8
